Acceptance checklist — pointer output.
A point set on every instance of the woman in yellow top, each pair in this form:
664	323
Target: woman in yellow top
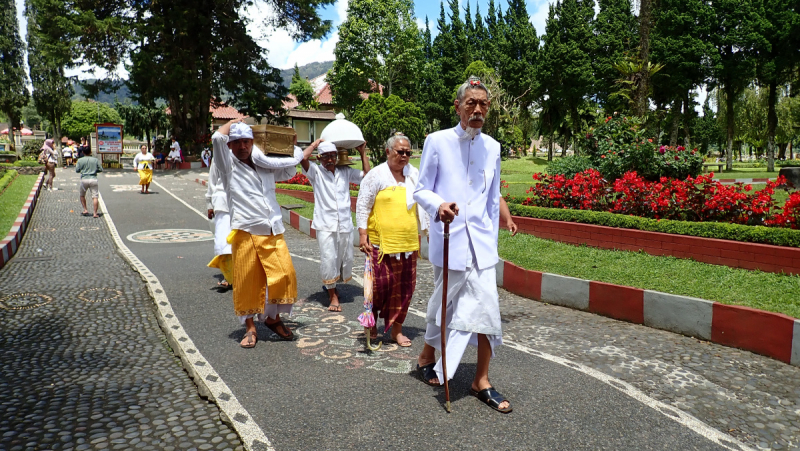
388	225
143	162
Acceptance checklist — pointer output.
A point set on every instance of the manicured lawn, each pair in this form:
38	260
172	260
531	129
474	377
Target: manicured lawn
12	200
765	291
747	173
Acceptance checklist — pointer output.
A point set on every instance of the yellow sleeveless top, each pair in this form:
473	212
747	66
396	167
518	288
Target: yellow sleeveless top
391	226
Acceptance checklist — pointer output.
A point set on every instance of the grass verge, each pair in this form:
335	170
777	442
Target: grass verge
12	200
766	291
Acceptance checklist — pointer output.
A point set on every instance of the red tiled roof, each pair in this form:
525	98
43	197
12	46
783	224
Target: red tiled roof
324	95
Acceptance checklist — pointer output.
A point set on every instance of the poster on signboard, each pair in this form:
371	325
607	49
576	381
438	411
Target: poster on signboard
109	138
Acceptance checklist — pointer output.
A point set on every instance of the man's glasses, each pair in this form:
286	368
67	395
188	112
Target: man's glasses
328	156
403	153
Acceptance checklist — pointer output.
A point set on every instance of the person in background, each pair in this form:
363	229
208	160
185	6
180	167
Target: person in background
143	162
82	147
51	158
68	152
161	159
218	214
88	167
175	155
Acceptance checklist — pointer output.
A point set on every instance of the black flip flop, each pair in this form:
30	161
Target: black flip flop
86	214
491	398
426	373
274	328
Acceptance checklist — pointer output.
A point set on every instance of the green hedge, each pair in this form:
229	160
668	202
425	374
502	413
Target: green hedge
305	188
719	230
21	164
7	178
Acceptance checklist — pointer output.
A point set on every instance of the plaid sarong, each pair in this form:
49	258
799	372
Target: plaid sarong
393	284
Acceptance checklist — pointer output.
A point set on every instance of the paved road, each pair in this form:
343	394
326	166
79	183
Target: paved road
83	363
577	380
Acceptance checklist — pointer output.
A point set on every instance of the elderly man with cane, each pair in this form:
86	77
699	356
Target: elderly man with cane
459	185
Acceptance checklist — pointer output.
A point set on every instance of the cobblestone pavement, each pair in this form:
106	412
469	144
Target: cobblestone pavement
747	396
84	363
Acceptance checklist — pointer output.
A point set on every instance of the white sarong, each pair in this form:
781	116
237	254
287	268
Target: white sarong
473	308
336	257
221	226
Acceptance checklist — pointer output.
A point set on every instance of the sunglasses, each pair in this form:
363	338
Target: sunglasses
403	153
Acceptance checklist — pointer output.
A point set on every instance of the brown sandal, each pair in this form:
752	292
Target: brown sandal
285	334
248	335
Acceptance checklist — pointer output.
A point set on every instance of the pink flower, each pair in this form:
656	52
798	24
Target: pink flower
662	149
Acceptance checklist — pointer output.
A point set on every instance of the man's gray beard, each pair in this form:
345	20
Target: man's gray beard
470	133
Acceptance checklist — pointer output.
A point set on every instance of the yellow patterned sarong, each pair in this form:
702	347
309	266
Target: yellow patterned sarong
261	266
224	263
145	176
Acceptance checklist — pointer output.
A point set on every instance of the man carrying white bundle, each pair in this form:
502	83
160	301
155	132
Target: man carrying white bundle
332	220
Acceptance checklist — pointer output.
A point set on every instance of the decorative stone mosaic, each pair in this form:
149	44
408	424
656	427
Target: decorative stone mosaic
171	236
24	301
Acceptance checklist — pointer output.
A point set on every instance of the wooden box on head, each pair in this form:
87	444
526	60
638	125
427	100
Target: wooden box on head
273	139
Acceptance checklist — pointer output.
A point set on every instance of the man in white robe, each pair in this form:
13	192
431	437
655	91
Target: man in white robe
460	183
332	219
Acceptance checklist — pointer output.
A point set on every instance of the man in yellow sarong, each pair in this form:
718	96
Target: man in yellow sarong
388	226
264	281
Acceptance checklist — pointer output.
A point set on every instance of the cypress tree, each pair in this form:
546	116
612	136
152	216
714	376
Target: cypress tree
517	66
14	94
615	28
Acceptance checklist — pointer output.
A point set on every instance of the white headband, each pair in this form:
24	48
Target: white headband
240	130
325	147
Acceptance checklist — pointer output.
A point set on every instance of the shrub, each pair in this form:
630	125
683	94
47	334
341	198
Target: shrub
569	166
620	144
722	231
32	147
6	177
26	163
700	199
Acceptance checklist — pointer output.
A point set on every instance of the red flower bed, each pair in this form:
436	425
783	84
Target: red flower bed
301	179
692	199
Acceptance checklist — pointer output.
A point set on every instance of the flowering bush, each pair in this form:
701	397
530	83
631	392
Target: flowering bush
692	199
620	145
790	216
298	179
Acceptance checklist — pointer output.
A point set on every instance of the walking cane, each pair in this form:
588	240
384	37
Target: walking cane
446	270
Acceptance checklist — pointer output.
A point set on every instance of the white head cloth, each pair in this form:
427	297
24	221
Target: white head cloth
240	130
325	147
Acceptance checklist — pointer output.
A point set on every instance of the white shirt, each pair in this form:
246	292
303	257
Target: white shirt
332	196
466	172
216	197
175	146
139	159
251	193
377	180
175	154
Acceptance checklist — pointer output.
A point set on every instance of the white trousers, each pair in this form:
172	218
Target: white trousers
271	311
336	257
473	308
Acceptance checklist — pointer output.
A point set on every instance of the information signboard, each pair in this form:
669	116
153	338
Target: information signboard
109	138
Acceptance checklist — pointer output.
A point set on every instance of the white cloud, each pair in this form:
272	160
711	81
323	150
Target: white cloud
539	17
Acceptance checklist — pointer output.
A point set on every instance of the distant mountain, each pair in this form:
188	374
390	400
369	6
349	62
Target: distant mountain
310	71
122	93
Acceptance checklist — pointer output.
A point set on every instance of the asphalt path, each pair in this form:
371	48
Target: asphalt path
321	391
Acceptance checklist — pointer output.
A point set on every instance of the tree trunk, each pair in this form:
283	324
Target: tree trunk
550	149
781	151
673	135
730	125
772	124
687	141
645	24
147	136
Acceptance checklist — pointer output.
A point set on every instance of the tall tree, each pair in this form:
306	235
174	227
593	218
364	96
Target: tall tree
48	56
518	61
142	120
678	43
432	88
302	90
565	66
615	27
188	52
480	35
643	85
14	94
379	116
777	59
734	35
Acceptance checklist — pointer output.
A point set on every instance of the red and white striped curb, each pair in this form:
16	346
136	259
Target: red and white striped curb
772	334
11	242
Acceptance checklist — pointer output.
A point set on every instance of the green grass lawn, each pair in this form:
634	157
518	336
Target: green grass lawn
12	200
756	289
746	173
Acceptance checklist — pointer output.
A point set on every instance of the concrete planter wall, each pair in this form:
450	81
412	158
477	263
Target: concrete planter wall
735	254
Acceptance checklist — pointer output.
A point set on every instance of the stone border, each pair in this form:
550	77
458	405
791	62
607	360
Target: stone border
11	242
771	334
210	385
